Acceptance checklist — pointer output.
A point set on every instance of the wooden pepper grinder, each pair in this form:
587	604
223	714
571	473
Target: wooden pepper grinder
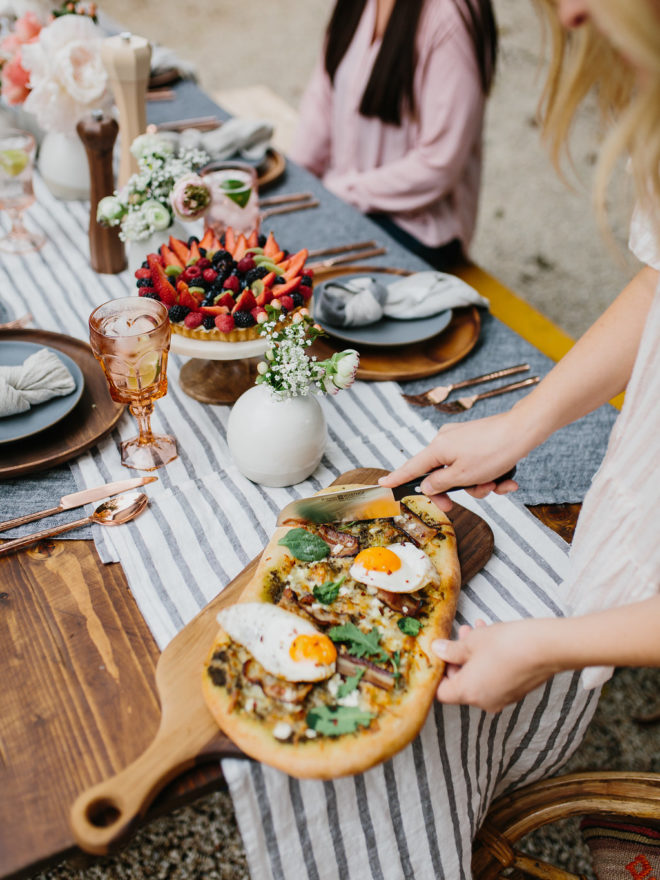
98	132
127	60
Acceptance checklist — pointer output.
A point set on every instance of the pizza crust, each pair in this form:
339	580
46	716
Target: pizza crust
330	757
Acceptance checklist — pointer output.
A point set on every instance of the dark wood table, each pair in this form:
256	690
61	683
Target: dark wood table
79	701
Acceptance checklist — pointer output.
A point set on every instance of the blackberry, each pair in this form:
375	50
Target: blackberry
145	264
153	295
221	257
307	280
297	298
243	319
253	274
262	240
199	281
286	254
208	299
144	282
177	313
209	322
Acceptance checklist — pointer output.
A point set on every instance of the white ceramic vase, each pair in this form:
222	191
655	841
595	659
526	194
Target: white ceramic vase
63	165
276	442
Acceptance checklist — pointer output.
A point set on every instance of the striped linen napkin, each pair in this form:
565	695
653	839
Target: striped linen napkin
415	815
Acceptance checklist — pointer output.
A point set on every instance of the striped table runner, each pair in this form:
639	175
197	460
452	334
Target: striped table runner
414	816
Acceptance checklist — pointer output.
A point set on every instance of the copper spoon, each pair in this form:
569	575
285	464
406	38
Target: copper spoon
113	512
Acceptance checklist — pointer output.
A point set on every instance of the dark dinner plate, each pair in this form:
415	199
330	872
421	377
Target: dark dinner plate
43	415
388	332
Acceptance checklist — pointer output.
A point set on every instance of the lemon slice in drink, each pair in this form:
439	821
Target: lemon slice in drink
146	372
13	162
237	190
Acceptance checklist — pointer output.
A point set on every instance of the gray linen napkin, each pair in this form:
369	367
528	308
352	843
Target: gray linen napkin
39	378
247	139
365	300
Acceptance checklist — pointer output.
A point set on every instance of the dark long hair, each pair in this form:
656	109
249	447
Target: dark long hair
389	91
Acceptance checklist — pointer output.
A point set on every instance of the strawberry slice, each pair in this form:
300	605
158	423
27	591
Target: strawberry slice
170	257
245	302
287	287
194	254
225	299
143	272
143	291
210	241
253	239
265	297
187	299
296	262
160	281
230	240
268	279
241	247
214	310
180	248
271	247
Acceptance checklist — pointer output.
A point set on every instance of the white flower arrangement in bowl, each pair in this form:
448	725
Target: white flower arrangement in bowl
164	187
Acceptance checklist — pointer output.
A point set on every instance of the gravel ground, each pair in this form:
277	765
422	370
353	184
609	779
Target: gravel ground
534	233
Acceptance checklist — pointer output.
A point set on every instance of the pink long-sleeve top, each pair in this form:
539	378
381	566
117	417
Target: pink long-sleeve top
424	173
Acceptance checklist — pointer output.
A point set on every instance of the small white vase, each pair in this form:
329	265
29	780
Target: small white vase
136	251
63	165
276	442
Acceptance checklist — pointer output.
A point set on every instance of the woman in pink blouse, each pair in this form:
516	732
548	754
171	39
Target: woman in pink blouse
392	117
613	592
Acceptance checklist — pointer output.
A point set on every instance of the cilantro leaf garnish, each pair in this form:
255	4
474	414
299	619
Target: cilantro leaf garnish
328	592
396	663
409	626
359	644
336	720
305	545
347	687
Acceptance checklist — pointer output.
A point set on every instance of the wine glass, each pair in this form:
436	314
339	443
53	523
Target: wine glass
130	337
17	151
234	199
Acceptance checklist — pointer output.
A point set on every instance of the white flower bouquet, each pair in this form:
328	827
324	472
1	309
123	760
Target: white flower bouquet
289	371
165	185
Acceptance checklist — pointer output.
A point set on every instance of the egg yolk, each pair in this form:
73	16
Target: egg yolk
378	559
317	648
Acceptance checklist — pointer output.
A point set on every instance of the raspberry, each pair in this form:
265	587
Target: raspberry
305	291
232	283
225	323
209	322
286	301
177	313
307	280
243	319
191	272
246	264
193	319
209	275
145	291
143	272
204	263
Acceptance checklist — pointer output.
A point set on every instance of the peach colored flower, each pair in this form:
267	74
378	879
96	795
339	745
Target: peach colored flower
15	81
26	28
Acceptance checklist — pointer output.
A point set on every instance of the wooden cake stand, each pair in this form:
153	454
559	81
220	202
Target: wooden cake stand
219	372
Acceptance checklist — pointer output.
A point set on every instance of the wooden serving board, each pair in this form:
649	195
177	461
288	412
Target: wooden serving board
92	418
102	816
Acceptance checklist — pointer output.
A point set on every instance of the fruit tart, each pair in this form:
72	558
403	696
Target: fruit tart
222	288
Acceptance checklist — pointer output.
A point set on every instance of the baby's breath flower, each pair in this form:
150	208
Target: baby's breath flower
290	372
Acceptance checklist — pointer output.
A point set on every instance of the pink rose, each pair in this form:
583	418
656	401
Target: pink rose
15	81
190	197
27	27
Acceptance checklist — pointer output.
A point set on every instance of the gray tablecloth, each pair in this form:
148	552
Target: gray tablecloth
558	471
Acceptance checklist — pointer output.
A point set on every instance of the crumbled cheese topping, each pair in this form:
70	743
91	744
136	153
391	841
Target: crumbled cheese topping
282	730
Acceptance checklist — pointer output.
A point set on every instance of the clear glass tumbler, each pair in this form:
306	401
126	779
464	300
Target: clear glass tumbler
130	337
234	198
17	152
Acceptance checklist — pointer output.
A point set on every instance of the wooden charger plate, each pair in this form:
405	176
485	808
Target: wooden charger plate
92	418
102	816
405	362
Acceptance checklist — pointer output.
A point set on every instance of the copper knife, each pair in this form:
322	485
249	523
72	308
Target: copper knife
77	499
363	502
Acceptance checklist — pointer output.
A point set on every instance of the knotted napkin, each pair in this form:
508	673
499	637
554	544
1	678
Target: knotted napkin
247	139
39	378
365	300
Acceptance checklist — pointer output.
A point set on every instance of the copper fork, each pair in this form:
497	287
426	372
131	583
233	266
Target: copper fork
463	403
442	392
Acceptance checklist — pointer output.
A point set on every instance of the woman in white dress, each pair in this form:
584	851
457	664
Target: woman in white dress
613	588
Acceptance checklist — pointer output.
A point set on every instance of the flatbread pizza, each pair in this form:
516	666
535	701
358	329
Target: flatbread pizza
323	667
